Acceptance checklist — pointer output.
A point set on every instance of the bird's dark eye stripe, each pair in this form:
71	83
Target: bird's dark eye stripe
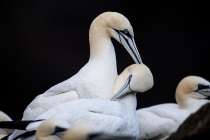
125	32
200	87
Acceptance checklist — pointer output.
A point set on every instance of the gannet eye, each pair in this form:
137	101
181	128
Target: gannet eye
126	31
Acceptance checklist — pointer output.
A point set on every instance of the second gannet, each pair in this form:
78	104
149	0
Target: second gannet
161	120
117	115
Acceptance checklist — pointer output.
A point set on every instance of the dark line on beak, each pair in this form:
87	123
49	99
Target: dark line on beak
131	48
134	44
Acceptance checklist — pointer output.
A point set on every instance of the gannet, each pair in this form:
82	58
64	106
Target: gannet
115	115
5	117
55	129
98	73
160	120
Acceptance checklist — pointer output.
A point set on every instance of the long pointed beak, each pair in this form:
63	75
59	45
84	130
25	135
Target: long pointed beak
17	124
132	49
124	89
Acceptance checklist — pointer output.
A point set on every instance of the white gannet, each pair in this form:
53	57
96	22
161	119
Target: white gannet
96	78
163	119
3	131
55	129
117	115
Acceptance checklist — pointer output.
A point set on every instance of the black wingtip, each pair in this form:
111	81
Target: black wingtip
17	124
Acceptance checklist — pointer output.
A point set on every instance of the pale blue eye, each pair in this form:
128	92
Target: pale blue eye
126	31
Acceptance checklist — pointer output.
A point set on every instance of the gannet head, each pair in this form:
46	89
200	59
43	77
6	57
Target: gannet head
80	131
135	78
117	26
88	131
191	89
4	116
50	128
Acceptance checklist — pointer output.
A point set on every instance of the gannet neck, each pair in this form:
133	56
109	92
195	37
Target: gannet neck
129	104
101	47
187	92
129	101
100	39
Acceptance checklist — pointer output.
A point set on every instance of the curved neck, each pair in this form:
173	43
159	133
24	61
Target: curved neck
192	104
129	101
101	47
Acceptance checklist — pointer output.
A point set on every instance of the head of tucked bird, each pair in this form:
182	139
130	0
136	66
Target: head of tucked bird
135	78
191	90
4	116
88	131
117	26
51	129
80	131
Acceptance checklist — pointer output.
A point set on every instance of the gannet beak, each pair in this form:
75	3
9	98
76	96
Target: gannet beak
127	40
204	90
124	90
133	51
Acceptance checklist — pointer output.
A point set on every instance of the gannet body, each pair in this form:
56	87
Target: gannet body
115	115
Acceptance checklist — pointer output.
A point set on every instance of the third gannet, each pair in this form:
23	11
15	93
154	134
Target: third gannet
161	120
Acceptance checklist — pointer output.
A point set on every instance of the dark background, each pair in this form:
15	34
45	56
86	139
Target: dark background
46	42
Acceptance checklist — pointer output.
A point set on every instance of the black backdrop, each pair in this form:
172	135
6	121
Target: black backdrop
46	42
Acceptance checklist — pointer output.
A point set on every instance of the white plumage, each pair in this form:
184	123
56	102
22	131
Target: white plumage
163	119
117	115
100	71
95	79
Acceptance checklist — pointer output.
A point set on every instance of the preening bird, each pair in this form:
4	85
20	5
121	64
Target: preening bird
96	78
98	73
161	120
116	115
